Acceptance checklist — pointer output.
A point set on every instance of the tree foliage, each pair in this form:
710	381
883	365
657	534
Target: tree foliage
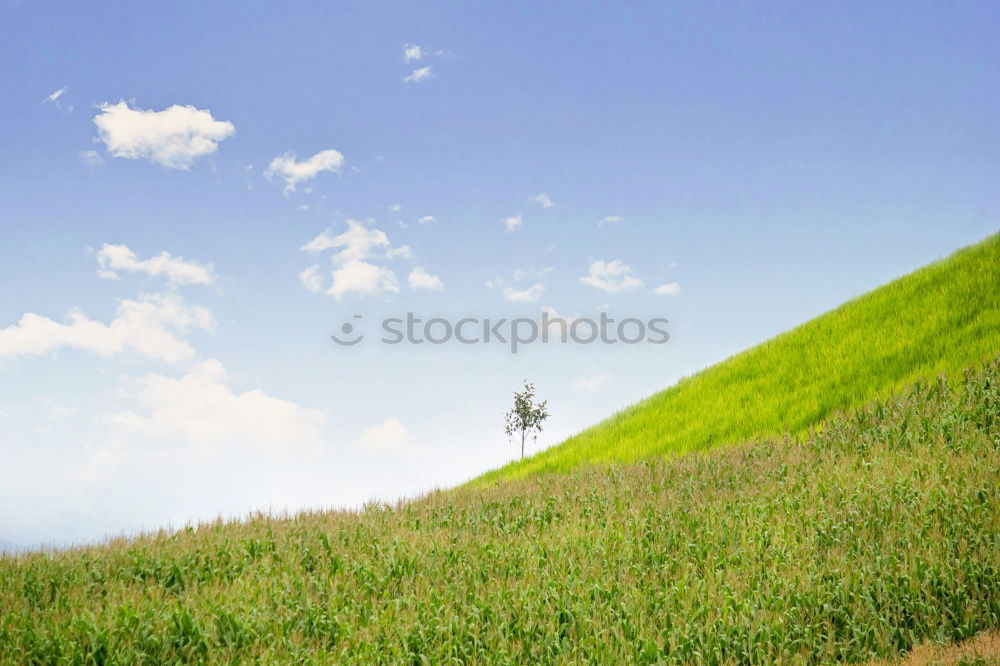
525	418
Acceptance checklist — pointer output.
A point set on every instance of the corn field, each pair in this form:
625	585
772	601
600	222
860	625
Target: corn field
878	530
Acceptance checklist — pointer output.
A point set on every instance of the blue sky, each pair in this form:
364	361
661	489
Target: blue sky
766	161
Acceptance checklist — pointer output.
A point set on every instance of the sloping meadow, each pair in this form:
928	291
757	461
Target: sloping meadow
939	319
877	531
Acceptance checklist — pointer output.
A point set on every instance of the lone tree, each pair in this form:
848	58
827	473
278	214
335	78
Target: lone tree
526	417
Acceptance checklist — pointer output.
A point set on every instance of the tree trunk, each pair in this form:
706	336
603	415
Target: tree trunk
522	445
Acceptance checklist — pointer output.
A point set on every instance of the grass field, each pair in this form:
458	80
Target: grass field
939	319
877	532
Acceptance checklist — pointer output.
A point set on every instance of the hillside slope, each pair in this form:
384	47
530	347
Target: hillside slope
872	535
939	319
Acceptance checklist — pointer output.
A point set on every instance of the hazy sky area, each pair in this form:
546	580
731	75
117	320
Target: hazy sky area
195	196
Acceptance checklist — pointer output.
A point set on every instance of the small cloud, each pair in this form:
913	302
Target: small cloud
174	137
520	274
412	52
294	171
113	258
668	289
612	277
542	200
557	323
395	208
418	75
427	219
390	436
610	219
403	252
590	384
529	295
421	279
312	279
513	222
54	96
92	158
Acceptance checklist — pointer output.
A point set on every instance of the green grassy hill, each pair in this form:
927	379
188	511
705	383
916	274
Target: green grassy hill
940	319
876	533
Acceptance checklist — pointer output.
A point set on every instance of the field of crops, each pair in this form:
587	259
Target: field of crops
939	319
869	536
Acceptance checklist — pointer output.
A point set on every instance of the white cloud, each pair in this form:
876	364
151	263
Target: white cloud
114	258
358	242
554	315
418	75
421	279
403	251
427	219
558	325
174	137
92	158
390	436
543	200
522	274
529	295
395	208
54	96
612	277
354	273
147	326
668	289
294	171
590	384
312	279
412	52
513	222
610	219
362	277
202	409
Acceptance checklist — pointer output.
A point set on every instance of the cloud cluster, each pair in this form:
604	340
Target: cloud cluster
149	327
294	171
414	53
113	258
199	406
611	276
355	269
201	409
174	137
